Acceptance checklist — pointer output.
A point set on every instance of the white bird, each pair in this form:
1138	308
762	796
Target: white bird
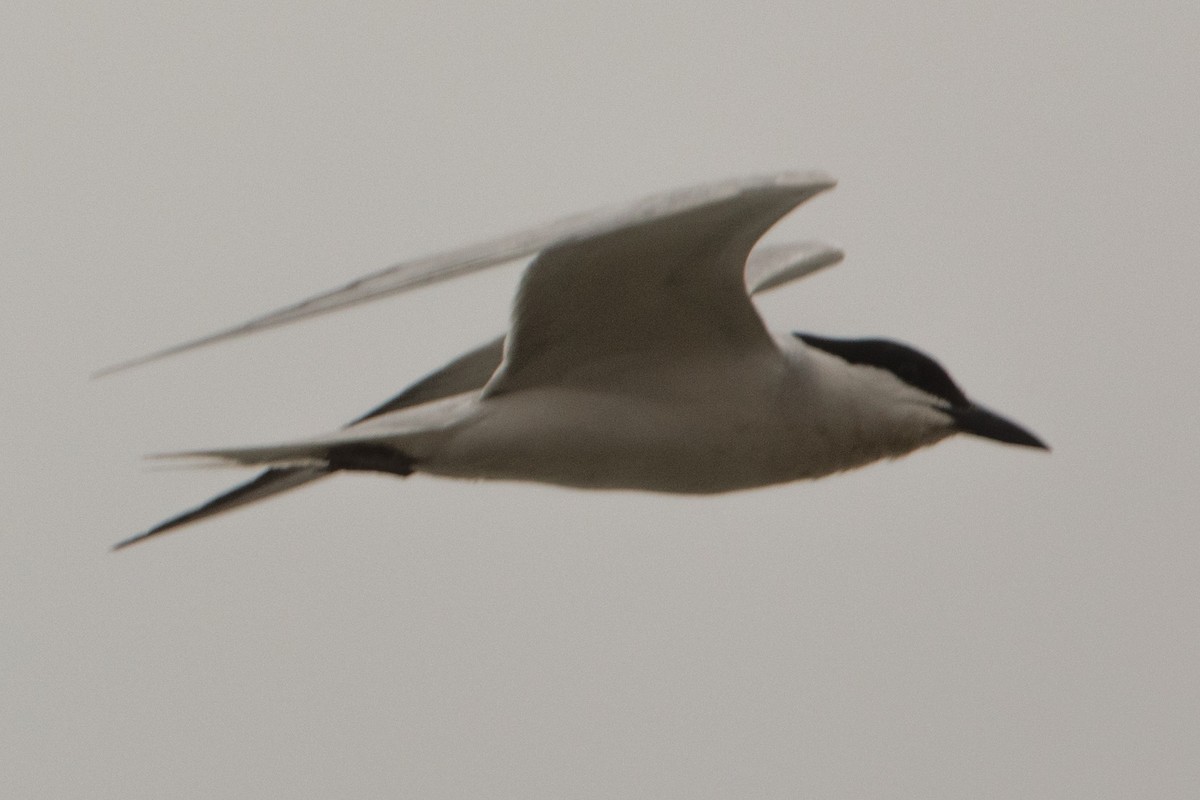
635	360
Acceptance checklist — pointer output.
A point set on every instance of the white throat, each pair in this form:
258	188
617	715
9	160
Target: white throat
857	414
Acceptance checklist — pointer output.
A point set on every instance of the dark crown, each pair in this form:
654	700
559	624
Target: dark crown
906	363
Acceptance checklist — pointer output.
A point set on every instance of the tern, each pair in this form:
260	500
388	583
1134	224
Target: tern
635	359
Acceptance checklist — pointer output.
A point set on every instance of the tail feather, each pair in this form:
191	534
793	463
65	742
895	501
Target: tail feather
275	480
376	446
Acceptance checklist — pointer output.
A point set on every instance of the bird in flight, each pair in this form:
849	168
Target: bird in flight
635	359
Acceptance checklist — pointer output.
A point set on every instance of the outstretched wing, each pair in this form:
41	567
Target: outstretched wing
432	269
769	267
273	481
739	211
668	282
772	265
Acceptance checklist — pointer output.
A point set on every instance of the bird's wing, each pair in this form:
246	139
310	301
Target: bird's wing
772	265
769	267
273	481
469	372
668	282
432	269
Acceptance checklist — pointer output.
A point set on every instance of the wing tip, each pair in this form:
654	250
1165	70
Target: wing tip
269	483
174	522
815	179
132	540
121	366
811	182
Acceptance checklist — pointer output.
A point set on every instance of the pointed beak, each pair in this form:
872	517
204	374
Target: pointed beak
979	421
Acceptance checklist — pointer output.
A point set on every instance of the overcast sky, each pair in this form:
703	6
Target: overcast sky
1019	195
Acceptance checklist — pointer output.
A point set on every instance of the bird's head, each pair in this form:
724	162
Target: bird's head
918	371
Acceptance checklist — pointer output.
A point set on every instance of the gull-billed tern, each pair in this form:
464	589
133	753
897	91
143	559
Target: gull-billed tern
635	360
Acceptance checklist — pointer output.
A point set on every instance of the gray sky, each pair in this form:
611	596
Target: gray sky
1019	196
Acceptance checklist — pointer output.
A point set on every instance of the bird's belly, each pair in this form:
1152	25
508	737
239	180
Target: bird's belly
600	441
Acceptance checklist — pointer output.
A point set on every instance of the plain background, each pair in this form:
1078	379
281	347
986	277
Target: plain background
1018	195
